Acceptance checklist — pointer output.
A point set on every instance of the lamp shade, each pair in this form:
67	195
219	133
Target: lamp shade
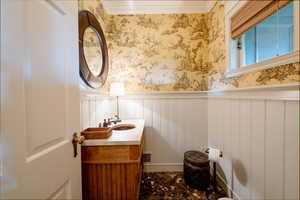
116	89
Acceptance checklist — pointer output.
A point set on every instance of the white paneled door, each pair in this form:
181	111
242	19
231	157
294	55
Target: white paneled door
40	103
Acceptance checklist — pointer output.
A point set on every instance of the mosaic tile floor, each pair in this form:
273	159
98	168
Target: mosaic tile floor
168	185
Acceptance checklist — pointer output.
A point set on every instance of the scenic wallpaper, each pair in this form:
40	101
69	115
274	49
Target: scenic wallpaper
174	52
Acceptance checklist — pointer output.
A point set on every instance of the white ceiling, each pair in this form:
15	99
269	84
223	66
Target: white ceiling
157	7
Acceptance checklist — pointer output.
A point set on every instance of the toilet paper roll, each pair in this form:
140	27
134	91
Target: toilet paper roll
214	154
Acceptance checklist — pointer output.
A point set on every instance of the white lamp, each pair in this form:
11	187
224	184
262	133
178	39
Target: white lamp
116	90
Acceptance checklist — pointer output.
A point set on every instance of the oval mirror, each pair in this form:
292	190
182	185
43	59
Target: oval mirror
93	53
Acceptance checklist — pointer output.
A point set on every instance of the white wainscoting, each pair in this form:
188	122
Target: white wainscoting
258	131
256	128
175	123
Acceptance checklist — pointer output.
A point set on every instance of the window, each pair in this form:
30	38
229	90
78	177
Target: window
268	39
261	32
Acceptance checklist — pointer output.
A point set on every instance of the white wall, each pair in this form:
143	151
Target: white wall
258	131
175	123
256	128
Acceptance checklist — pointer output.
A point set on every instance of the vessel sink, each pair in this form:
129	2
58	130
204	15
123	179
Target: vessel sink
97	133
123	127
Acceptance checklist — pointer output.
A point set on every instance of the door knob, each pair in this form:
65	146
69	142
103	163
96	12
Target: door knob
77	140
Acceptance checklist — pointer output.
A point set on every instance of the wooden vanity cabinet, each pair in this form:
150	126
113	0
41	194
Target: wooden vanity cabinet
111	172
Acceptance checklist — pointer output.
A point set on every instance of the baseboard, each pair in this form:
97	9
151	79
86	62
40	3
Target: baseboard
163	167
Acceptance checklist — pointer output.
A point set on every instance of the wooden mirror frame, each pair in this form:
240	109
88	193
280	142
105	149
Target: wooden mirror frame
87	19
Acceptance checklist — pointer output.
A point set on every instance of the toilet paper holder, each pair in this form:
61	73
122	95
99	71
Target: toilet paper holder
207	151
214	193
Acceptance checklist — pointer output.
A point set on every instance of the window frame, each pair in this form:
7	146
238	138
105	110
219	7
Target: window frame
231	8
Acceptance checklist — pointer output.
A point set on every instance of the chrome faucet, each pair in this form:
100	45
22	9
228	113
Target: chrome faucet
116	119
107	122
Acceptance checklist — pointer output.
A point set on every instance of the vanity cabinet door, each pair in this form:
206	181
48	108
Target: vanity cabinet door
112	172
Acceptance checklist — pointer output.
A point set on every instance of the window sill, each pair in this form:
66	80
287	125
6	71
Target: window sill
266	64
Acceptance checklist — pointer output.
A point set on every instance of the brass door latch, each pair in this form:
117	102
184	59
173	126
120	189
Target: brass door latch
77	140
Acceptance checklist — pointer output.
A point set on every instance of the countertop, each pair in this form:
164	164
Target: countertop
124	137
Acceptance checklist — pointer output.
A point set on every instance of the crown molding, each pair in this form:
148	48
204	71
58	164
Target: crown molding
128	7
